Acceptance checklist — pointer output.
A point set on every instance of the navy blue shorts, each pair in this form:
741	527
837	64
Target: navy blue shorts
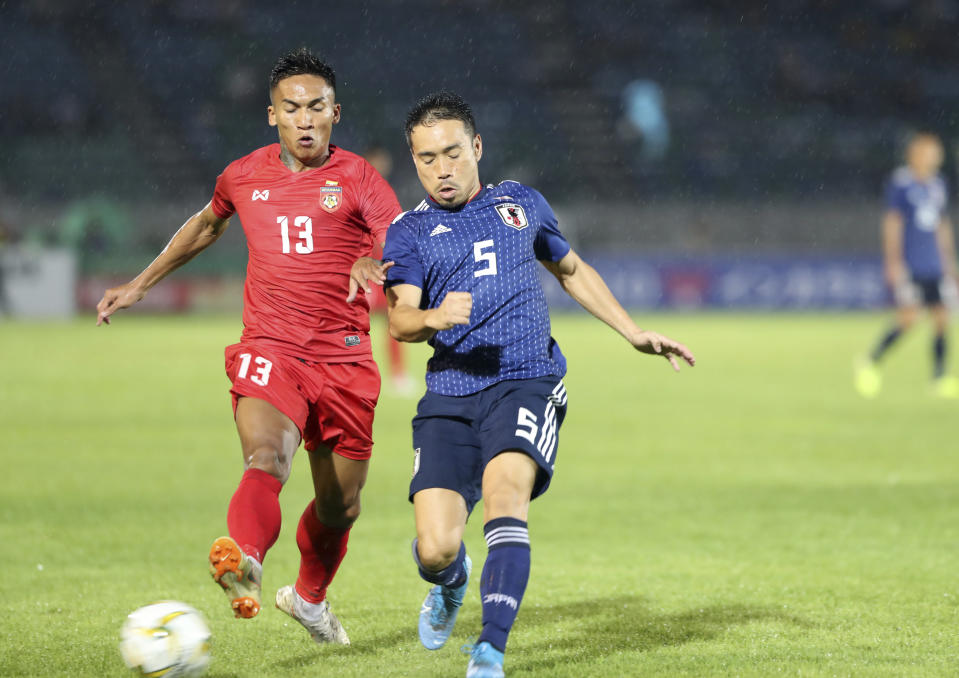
455	437
926	291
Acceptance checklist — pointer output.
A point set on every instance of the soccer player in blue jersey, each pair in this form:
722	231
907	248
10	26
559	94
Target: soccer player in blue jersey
463	277
919	260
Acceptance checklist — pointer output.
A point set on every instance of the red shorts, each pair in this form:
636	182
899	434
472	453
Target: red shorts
331	403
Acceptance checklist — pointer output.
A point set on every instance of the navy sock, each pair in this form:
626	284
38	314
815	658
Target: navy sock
888	339
451	576
505	575
939	355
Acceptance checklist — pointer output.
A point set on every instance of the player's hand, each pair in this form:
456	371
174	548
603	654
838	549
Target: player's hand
455	310
895	273
116	298
366	270
654	343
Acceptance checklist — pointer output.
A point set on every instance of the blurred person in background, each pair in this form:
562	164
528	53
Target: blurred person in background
919	261
6	241
303	370
382	161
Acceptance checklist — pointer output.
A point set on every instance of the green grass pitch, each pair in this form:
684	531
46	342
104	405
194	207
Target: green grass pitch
749	517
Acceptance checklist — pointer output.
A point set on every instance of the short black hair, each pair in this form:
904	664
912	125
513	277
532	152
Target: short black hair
301	62
442	105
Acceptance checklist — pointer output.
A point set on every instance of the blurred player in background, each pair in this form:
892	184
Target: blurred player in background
303	370
464	278
919	260
382	160
6	239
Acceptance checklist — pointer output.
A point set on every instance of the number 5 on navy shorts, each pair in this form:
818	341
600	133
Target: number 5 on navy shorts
455	437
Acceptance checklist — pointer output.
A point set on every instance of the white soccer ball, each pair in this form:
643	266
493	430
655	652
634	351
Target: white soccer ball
168	639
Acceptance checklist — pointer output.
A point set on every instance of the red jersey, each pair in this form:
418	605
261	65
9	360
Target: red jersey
304	231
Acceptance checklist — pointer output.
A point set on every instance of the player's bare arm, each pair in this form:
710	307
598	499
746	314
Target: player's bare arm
586	286
199	232
894	267
947	247
366	270
408	322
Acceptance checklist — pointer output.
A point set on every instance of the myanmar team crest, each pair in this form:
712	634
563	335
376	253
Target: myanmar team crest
331	197
512	215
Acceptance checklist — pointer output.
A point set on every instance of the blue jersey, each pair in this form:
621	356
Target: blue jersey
922	205
488	247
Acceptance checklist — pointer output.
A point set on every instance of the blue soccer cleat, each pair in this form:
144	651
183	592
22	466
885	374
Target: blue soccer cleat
485	662
438	614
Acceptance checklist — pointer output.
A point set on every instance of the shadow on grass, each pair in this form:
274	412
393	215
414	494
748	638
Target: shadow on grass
588	630
579	632
366	646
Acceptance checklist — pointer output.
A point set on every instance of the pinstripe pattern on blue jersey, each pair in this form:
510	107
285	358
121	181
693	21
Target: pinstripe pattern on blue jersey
473	249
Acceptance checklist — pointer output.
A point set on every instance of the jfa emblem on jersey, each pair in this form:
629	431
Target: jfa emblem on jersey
331	197
512	215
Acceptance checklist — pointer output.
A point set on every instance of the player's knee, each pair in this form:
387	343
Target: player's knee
339	513
436	552
940	320
507	499
907	318
271	459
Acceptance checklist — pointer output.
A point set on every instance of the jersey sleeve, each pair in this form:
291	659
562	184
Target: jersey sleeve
222	204
401	249
378	205
895	197
550	245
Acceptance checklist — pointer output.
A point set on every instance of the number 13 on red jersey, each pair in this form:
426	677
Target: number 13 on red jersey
305	224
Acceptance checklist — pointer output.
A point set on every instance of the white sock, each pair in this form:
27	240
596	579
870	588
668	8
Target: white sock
305	609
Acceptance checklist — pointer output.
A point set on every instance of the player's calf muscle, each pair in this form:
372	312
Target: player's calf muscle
338	512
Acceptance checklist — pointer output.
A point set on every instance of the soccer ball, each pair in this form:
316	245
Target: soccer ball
168	639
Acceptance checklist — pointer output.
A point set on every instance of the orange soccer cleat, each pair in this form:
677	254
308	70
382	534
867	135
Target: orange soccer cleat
238	575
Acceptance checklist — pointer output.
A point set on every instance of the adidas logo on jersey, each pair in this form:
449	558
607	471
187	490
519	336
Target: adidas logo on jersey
440	228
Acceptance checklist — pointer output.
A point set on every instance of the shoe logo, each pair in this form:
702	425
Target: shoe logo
261	195
440	228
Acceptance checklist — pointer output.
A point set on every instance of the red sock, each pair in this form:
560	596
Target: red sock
397	366
253	518
321	551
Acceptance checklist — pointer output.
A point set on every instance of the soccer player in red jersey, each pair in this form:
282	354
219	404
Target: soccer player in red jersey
303	370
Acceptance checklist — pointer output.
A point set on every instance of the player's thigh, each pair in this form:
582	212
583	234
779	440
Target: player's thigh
343	399
508	482
268	437
337	483
525	416
269	408
447	453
